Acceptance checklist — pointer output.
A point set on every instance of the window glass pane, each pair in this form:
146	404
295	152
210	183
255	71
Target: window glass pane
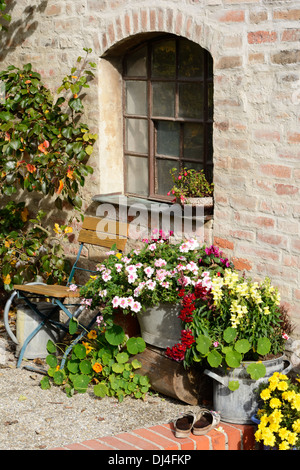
136	63
193	141
191	60
191	100
168	138
209	143
164	59
163	99
136	97
137	135
193	166
137	175
164	182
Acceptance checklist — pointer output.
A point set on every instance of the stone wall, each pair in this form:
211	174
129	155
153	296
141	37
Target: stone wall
256	52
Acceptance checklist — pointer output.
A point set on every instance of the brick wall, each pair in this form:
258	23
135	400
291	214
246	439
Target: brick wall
256	53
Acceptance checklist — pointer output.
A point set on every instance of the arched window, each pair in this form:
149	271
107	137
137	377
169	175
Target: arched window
168	114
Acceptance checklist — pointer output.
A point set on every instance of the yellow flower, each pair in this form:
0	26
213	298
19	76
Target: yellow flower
92	334
268	437
282	386
275	403
119	255
292	438
283	433
7	244
265	394
87	346
6	279
57	228
289	395
296	402
68	230
284	445
275	419
296	426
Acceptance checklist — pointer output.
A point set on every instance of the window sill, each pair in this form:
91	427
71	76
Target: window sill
120	201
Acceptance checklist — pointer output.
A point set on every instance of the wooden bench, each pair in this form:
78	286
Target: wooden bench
95	231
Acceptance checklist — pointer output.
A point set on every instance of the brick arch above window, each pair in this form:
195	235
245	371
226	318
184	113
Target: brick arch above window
124	30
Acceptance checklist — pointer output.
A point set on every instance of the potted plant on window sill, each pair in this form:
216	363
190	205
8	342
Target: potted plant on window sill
236	329
191	188
146	282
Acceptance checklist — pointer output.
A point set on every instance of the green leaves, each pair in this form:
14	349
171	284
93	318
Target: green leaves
232	353
108	361
44	147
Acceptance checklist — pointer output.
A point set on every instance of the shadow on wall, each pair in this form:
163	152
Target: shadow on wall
18	30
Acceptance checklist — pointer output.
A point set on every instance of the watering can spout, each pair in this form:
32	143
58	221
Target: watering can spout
215	376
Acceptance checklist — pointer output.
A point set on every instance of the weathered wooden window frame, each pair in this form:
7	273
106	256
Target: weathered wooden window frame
206	80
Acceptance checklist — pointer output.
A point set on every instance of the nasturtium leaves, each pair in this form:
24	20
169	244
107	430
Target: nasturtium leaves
229	334
214	358
263	346
257	370
135	345
203	344
233	359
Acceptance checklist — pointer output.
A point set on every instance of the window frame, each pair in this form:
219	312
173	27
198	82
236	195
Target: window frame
206	121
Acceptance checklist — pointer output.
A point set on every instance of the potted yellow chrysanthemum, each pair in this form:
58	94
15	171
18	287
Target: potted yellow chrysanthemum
278	417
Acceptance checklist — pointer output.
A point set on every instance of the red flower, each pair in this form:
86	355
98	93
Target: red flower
187	338
177	352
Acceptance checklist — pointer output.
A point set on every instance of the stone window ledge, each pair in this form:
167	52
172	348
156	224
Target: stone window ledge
154	210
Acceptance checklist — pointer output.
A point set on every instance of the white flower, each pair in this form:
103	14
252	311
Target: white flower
136	306
116	301
151	284
106	276
123	302
160	262
131	268
118	267
73	287
148	271
132	277
165	284
152	247
103	293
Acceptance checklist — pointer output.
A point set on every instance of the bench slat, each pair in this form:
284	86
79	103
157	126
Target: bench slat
57	291
94	238
118	228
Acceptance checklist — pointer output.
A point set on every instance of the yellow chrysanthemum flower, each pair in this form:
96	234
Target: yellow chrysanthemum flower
284	445
268	437
265	394
296	402
275	403
282	386
296	426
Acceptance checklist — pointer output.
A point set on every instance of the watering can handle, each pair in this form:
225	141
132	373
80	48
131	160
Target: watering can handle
288	367
215	376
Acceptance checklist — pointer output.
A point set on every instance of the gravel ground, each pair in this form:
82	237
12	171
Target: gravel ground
36	419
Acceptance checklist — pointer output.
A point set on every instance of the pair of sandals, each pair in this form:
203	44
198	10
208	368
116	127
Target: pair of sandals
198	423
